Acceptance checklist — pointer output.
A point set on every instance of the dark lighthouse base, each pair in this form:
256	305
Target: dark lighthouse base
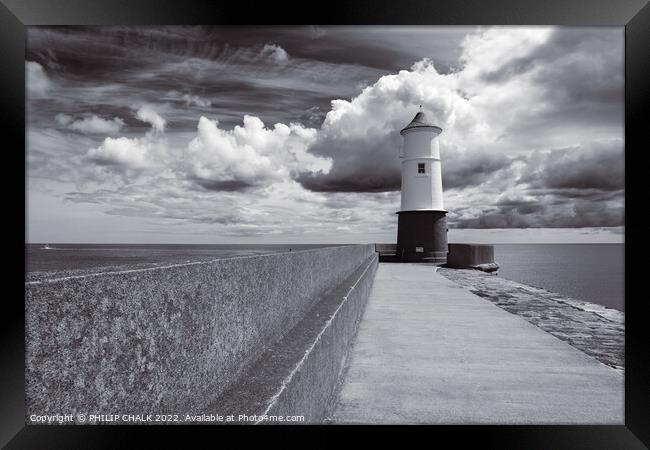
422	236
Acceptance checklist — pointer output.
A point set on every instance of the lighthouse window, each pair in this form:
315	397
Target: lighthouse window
421	168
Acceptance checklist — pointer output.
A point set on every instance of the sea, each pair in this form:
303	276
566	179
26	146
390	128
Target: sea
82	257
588	272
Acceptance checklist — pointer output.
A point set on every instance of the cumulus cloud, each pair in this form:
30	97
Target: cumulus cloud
516	90
148	114
38	83
91	124
134	155
516	94
531	118
362	136
275	53
249	155
122	152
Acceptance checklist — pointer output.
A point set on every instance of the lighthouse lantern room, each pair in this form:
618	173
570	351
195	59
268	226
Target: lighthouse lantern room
422	225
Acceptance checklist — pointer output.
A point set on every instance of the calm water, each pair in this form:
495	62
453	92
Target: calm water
589	272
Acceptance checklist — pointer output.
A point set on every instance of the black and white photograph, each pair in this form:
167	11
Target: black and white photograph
325	224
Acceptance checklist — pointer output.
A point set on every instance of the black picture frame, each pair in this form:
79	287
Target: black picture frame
15	15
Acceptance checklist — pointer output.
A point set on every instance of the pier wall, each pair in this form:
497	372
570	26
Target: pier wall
170	339
463	256
301	375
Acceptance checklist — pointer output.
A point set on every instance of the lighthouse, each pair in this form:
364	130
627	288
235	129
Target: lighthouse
422	226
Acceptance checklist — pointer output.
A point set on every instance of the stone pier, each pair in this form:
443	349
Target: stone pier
428	351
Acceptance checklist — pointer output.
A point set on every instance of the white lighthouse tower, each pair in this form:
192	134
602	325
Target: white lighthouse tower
422	226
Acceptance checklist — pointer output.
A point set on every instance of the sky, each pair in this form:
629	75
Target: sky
291	134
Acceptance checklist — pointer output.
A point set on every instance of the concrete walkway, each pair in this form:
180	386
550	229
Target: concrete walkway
429	351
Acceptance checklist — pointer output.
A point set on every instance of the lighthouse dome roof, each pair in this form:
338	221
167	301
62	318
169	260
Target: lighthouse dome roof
420	121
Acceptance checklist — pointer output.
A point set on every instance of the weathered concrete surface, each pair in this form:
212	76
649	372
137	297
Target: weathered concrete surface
596	330
167	339
300	375
429	351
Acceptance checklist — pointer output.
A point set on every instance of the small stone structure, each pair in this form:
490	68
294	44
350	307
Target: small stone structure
460	256
472	256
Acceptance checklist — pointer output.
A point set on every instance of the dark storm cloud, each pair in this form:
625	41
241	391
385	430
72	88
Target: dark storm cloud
563	196
383	173
580	72
367	165
597	166
564	188
351	182
577	214
519	206
461	171
223	185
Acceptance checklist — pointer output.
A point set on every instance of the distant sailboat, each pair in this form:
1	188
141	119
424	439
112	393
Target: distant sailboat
47	247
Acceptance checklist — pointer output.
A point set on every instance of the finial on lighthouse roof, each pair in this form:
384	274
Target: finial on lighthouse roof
420	121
